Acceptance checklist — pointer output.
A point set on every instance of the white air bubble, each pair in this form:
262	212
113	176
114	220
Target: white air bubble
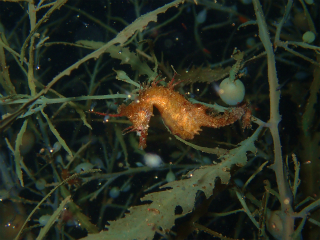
114	192
152	160
40	184
83	167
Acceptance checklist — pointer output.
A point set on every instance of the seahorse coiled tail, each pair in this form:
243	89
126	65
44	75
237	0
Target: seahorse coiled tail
182	117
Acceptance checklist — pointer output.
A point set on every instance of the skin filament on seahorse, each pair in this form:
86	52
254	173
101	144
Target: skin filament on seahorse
182	117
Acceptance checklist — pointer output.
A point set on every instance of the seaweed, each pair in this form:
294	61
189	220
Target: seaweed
160	213
65	64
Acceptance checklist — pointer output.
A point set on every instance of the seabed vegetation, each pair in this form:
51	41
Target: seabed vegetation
66	172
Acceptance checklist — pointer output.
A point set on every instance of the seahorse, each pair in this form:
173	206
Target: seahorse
182	117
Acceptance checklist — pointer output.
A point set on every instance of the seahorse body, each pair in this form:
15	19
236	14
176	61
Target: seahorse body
182	117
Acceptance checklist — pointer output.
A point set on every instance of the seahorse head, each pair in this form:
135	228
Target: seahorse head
140	120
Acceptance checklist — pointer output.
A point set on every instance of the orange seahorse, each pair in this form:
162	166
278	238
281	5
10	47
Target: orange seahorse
182	117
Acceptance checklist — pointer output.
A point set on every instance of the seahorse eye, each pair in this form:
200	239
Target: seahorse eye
139	130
